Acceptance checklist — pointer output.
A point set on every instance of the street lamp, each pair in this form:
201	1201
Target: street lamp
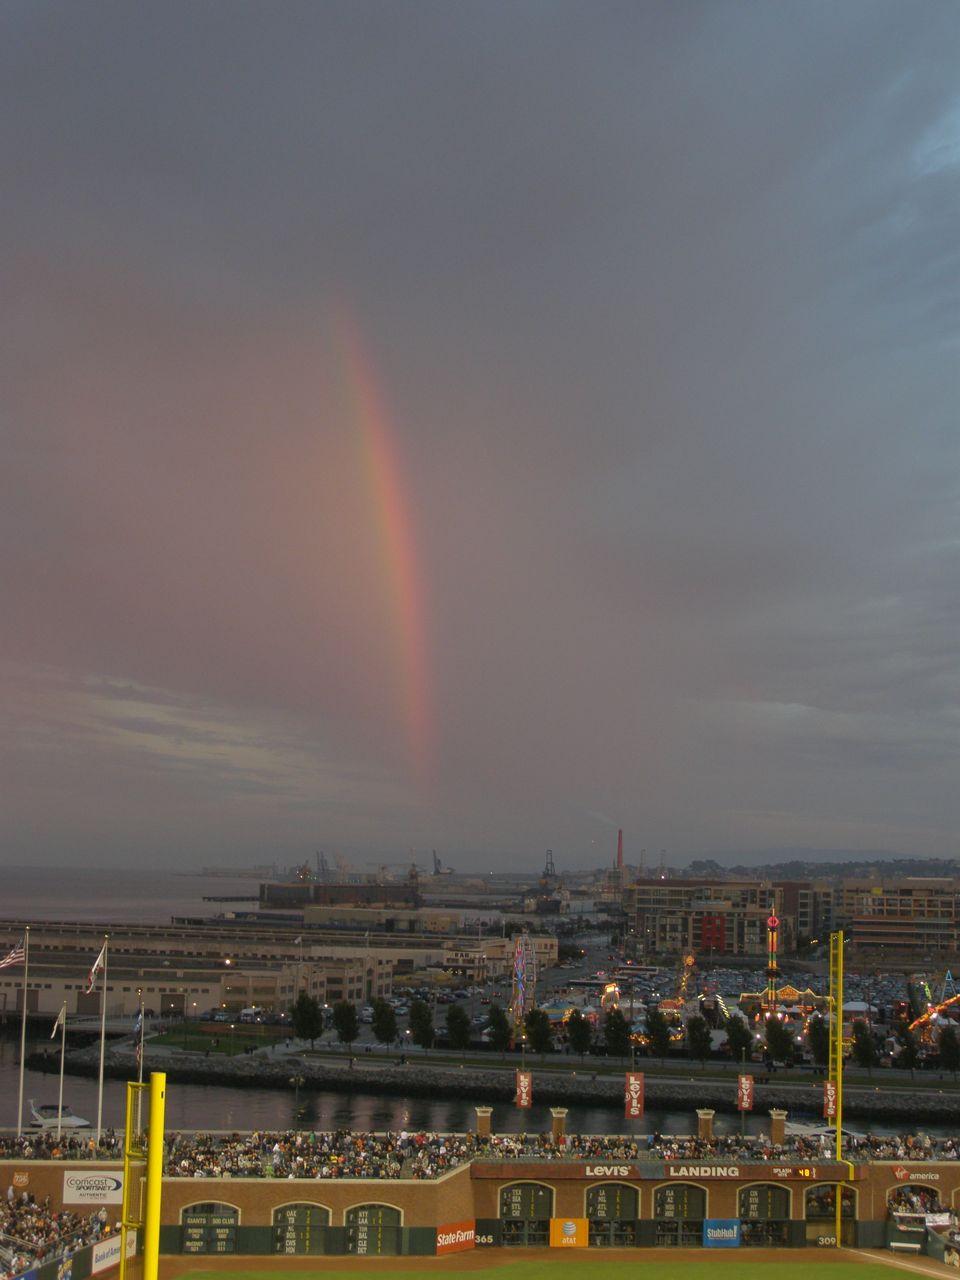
296	1081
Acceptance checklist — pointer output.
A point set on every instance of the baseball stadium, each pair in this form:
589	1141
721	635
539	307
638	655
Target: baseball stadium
157	1205
254	1205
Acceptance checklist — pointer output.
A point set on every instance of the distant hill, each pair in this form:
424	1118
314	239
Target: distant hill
821	864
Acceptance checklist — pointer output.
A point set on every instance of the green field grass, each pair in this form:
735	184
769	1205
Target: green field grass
593	1263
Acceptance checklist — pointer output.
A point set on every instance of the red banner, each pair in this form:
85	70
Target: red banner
744	1093
633	1096
829	1100
524	1089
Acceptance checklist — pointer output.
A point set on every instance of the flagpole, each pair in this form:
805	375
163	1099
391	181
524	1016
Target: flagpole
23	1026
103	1038
63	1050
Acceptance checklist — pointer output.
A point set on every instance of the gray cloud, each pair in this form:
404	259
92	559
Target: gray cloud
663	301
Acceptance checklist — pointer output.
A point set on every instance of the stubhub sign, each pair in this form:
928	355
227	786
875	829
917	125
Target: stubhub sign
721	1233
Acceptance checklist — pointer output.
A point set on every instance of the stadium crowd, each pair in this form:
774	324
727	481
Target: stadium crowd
426	1155
347	1154
31	1232
344	1154
45	1145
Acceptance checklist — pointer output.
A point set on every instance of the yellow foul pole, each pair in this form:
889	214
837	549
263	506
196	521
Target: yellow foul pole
836	1062
134	1156
151	1231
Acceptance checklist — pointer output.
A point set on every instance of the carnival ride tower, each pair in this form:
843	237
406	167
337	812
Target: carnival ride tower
524	992
773	970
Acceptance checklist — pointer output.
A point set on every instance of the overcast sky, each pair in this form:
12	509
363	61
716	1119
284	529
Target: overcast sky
659	526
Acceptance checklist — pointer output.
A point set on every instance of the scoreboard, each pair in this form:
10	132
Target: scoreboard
764	1203
299	1228
526	1201
681	1201
373	1228
612	1202
209	1228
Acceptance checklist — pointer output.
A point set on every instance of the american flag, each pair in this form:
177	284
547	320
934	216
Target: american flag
16	956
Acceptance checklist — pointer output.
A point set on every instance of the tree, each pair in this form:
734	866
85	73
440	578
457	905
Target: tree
779	1040
421	1024
818	1038
864	1050
345	1021
307	1018
658	1031
458	1027
909	1055
616	1034
579	1033
384	1022
501	1033
950	1050
699	1039
539	1033
739	1039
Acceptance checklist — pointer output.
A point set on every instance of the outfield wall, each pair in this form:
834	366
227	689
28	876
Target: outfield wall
508	1202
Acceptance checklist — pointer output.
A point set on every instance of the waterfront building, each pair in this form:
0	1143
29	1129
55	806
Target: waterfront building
915	915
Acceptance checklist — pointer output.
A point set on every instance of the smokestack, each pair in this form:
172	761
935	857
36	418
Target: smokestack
620	850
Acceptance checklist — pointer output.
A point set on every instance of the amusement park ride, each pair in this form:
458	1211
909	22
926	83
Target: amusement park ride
926	1024
524	992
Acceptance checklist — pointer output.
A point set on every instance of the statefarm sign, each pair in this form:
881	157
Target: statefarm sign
454	1237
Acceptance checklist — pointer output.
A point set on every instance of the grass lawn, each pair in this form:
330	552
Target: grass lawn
219	1041
592	1262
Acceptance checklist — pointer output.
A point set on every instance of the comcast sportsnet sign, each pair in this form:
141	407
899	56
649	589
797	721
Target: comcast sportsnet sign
454	1237
92	1188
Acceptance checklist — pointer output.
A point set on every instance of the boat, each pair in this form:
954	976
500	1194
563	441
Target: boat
47	1115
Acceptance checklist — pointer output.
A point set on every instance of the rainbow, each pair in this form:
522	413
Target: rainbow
396	536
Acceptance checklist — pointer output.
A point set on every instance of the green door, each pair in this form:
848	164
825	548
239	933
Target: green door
820	1211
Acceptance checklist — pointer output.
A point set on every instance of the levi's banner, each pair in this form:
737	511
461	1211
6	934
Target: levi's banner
744	1093
569	1233
454	1237
524	1088
829	1100
633	1096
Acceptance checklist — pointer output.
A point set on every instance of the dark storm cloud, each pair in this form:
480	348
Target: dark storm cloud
664	303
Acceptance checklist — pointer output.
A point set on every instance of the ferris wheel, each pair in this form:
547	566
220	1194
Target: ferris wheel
524	992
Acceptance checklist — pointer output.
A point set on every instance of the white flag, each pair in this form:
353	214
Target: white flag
61	1020
97	966
300	939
